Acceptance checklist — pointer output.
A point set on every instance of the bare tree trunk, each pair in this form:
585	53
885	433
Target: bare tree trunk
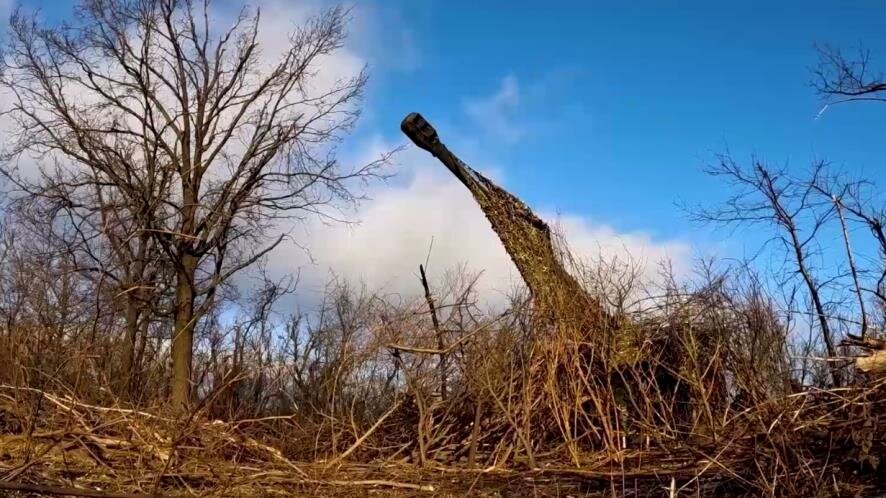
183	333
128	379
441	343
816	303
838	204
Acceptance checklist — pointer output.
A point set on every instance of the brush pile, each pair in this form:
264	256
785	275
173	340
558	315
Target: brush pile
532	420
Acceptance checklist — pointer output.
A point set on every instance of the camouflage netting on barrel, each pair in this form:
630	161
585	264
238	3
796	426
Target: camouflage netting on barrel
579	348
558	298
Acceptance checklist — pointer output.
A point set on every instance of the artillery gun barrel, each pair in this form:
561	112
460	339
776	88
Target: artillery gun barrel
423	134
525	236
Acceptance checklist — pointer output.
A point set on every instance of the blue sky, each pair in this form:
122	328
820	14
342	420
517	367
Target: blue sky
622	103
608	111
620	100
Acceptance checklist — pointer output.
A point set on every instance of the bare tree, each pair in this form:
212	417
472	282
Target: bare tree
839	79
188	131
857	204
97	233
768	196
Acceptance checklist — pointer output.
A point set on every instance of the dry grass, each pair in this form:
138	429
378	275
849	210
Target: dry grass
691	390
706	405
822	443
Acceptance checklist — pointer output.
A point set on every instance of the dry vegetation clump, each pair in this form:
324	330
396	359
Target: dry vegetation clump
352	399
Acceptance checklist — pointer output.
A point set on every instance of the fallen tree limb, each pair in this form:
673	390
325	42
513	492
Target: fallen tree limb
381	483
66	403
368	433
278	478
874	362
63	491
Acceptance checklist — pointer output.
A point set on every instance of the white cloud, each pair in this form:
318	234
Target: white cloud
496	114
399	223
280	18
396	229
424	205
596	243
